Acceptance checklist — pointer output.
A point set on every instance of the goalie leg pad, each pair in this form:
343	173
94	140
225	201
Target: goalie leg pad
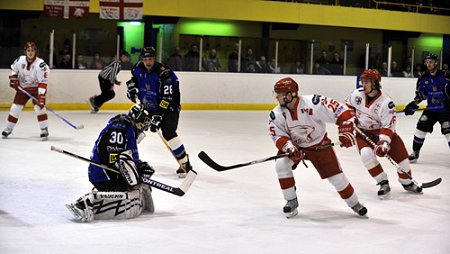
128	168
116	205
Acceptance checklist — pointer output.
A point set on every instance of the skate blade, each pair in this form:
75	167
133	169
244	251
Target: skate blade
74	212
291	214
182	175
385	196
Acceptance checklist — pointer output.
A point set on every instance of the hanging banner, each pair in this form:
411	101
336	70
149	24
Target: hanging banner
68	9
121	9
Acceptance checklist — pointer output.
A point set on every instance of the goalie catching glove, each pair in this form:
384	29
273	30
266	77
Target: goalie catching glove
127	167
294	154
346	134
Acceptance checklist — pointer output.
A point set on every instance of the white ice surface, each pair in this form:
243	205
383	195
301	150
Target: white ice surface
237	211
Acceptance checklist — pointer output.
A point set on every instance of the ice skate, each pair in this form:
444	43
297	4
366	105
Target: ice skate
384	190
413	157
80	212
359	209
413	188
44	134
6	132
94	109
290	209
181	170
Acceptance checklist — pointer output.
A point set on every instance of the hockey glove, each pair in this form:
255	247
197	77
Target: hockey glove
132	90
155	123
14	81
294	154
410	108
382	148
346	134
144	169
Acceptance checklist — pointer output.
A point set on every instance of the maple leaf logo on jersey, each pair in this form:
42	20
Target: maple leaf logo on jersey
301	133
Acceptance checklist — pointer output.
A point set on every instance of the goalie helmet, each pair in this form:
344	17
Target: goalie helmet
286	85
141	118
148	52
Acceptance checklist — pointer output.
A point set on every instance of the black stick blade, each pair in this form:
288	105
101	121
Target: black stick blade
212	164
432	183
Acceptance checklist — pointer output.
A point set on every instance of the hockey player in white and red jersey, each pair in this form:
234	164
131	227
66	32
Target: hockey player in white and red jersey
297	126
31	74
376	117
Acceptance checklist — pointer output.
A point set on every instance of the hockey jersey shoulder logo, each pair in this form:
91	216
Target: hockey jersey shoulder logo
272	115
316	99
391	105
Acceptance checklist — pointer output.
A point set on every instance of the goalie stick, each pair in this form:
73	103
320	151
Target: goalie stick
423	185
51	110
179	191
211	163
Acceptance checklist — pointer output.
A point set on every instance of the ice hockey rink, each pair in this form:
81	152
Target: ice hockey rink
235	211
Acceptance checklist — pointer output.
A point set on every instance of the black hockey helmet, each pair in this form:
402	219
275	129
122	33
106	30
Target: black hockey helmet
148	52
431	56
141	118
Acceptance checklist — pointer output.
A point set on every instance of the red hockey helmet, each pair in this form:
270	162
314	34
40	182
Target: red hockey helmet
30	44
286	85
371	74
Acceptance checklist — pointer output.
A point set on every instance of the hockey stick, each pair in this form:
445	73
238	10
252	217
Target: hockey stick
211	163
419	109
51	110
180	191
423	185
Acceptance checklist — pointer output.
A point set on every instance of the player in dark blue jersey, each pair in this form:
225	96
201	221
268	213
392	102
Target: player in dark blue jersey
119	193
434	87
157	87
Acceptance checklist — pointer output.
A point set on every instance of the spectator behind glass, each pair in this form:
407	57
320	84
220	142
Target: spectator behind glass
212	63
418	70
190	61
319	70
247	60
97	63
383	70
395	71
297	67
80	63
261	65
272	68
407	73
323	61
233	59
66	62
337	64
445	69
125	60
175	60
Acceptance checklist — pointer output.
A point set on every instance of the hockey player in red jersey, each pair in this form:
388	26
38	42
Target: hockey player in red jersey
376	117
31	74
297	126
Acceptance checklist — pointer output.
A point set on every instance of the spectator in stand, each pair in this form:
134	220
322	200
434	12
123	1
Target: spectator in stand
125	59
383	70
212	63
407	73
445	69
80	63
418	70
297	67
395	71
261	65
247	60
319	70
233	59
337	64
323	60
175	61
97	63
191	59
66	62
272	65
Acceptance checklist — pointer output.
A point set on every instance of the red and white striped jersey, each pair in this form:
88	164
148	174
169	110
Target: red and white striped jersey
30	75
306	126
378	114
